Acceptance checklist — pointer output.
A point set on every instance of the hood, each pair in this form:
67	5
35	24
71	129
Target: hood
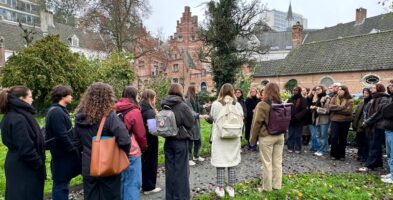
171	100
81	120
145	106
124	104
16	104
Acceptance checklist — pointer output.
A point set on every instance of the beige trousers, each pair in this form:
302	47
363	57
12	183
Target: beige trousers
270	150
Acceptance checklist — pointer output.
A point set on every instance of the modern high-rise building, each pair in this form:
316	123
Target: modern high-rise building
25	11
283	21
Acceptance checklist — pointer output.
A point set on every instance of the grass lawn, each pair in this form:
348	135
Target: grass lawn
205	150
316	186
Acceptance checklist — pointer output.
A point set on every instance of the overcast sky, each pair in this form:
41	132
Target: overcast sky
319	13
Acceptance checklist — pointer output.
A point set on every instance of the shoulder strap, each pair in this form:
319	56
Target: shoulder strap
99	132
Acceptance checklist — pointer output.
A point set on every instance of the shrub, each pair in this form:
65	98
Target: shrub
160	85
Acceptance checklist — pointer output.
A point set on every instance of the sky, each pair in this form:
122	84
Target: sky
319	13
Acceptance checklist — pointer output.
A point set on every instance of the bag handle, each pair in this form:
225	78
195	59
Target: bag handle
99	132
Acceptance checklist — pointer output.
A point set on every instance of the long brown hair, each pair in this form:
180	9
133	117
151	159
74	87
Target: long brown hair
131	93
17	91
97	101
148	96
191	93
227	90
346	95
176	89
272	92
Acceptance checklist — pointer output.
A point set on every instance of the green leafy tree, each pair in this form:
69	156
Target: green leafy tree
160	85
116	70
243	83
228	32
43	65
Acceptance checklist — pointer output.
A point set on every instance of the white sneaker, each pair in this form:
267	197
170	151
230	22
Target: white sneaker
319	154
230	190
386	176
387	180
157	189
191	163
220	192
200	159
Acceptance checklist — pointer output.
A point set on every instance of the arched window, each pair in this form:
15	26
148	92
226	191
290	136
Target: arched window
203	86
264	82
326	81
371	79
290	84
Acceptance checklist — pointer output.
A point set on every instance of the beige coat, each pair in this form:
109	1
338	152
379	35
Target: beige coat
225	152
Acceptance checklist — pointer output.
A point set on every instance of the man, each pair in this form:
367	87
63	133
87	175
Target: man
333	89
63	146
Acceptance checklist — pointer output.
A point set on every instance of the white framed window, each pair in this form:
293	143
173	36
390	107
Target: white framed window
326	81
74	41
175	68
264	82
371	79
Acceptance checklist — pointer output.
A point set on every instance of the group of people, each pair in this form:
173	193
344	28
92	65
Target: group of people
325	112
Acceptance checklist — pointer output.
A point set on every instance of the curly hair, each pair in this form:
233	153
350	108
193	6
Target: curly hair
97	101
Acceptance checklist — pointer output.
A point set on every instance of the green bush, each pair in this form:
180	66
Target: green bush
160	85
43	65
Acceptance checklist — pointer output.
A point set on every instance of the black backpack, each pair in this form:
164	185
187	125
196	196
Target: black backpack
123	113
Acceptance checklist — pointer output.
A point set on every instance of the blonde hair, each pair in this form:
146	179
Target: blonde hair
249	92
148	96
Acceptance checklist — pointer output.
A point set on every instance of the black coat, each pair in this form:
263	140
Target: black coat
243	104
86	131
251	103
387	114
25	161
299	109
66	160
184	118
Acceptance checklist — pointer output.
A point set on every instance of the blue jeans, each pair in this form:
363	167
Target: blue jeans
314	146
294	137
322	137
131	179
60	190
389	148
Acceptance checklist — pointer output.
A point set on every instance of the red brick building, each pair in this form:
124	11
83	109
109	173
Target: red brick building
177	58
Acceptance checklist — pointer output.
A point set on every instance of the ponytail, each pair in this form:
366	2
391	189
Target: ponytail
17	91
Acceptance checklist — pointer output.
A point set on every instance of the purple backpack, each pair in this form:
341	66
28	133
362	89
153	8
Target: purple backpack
279	118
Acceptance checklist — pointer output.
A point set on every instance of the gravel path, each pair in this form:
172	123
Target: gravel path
202	176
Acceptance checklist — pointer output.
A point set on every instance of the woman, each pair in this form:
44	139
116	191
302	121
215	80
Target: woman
361	138
340	108
270	146
387	114
261	95
299	110
131	178
320	119
24	165
240	99
97	103
150	156
374	124
225	152
195	140
176	148
251	101
308	120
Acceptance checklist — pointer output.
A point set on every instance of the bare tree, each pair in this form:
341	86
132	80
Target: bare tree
28	34
65	11
387	3
120	20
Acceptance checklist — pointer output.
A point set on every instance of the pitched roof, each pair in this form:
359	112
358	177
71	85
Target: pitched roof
381	22
13	40
289	13
357	53
188	61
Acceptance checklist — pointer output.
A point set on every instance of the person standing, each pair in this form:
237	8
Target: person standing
361	137
63	144
195	140
320	117
150	156
340	116
240	99
374	124
387	114
24	165
299	110
225	152
251	101
270	146
131	178
97	103
177	170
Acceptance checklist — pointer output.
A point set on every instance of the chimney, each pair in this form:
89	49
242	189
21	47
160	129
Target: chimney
2	52
297	35
361	15
46	18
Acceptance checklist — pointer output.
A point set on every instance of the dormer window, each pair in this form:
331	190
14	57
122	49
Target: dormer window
74	41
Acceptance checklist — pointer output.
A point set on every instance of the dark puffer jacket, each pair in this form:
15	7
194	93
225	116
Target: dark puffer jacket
374	113
184	118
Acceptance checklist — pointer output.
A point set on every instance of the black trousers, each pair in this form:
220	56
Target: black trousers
149	163
197	146
102	188
376	140
362	143
339	134
177	171
248	128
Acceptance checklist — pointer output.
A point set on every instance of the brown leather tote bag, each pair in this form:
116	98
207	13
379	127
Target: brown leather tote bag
107	159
